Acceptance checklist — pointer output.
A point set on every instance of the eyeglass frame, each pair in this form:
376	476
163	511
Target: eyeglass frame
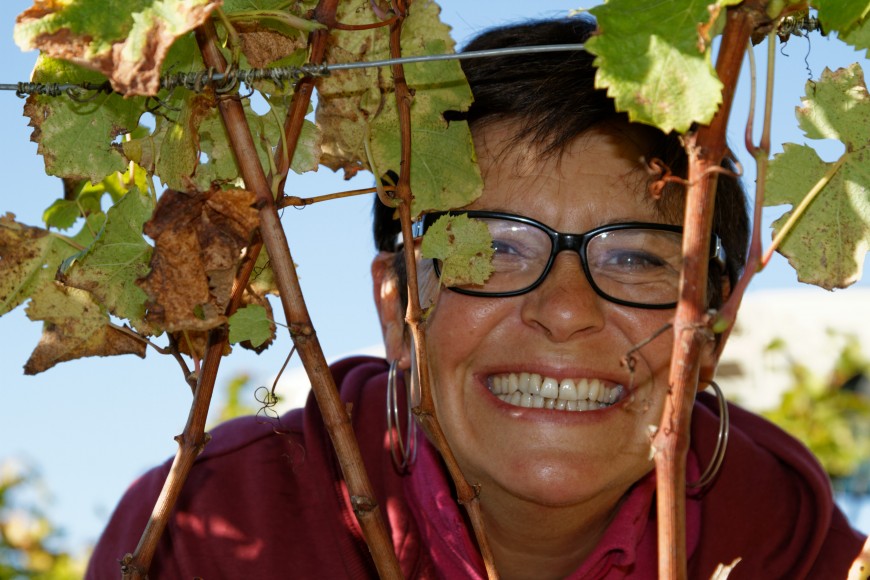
561	242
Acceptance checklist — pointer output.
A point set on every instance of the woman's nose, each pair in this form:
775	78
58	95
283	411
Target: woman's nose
565	304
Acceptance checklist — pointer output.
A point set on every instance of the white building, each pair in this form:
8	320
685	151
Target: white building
814	327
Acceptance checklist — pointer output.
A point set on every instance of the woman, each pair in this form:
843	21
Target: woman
528	383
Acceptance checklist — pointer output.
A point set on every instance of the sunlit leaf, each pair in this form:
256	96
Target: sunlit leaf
251	323
75	137
75	326
464	247
109	268
360	105
655	63
828	244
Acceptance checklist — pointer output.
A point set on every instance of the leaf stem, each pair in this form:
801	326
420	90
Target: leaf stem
294	201
727	315
801	208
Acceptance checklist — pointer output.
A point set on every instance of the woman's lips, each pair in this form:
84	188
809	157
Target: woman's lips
532	390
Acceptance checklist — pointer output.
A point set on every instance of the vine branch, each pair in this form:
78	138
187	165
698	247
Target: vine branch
705	147
468	495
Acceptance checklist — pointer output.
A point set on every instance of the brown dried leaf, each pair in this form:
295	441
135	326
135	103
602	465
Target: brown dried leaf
262	46
198	242
127	46
75	327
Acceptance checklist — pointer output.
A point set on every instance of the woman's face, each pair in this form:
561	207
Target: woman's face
560	330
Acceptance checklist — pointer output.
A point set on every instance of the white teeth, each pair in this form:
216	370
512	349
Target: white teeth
531	390
567	390
582	389
535	381
524	383
550	388
594	387
513	383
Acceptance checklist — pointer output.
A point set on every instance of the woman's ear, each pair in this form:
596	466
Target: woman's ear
388	301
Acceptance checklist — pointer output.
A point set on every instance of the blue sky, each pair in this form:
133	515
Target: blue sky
93	425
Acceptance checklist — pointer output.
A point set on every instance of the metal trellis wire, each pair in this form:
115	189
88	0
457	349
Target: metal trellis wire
223	82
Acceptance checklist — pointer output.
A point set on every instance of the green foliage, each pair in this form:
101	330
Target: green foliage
119	256
840	16
235	405
464	247
75	137
251	323
828	245
27	535
358	110
655	63
831	421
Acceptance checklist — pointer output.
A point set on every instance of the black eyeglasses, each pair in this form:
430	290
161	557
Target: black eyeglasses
634	264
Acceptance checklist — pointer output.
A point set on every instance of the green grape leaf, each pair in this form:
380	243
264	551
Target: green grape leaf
75	138
119	256
655	62
61	214
464	247
828	244
858	36
359	106
125	40
251	323
172	151
840	15
75	326
198	242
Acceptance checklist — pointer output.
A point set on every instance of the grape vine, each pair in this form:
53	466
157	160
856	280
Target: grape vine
193	265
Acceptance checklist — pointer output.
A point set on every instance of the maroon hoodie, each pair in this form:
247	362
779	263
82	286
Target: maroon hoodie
266	500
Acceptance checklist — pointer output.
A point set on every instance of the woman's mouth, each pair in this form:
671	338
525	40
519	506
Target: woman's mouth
534	391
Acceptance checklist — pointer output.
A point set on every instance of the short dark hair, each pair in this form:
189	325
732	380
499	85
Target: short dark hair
552	99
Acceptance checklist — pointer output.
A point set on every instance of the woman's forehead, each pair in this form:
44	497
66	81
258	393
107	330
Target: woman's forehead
601	163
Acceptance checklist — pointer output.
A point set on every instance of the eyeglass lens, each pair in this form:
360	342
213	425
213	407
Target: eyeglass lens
637	265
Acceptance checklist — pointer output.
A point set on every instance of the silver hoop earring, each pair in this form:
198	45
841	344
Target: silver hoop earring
721	442
404	452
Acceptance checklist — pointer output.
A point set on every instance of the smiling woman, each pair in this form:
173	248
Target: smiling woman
528	379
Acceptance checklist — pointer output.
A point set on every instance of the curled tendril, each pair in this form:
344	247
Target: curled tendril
662	176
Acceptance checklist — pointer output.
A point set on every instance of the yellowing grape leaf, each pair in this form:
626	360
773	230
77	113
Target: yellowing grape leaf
654	60
125	40
75	138
75	327
358	105
198	241
251	323
109	268
172	151
829	242
28	258
464	247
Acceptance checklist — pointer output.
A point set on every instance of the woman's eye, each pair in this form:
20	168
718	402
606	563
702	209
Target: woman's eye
633	260
505	248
